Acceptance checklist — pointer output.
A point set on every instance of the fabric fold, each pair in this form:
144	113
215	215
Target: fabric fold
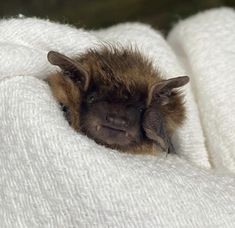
205	44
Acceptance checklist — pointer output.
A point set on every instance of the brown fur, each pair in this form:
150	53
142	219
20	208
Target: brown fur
67	93
122	71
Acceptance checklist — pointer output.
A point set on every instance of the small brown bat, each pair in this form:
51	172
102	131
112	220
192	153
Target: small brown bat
116	97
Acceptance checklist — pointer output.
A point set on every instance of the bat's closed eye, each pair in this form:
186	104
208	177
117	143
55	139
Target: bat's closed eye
90	99
64	108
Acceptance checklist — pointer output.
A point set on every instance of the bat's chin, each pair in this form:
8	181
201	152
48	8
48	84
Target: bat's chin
112	136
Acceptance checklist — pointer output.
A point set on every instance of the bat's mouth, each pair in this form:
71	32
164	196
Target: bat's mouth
113	136
114	129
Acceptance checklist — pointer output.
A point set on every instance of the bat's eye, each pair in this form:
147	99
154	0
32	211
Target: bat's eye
90	99
64	108
141	110
125	97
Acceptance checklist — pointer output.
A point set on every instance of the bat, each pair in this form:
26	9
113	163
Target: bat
117	98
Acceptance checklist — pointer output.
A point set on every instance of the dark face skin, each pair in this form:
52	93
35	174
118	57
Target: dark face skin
112	120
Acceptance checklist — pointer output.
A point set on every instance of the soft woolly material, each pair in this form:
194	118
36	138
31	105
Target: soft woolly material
51	176
205	44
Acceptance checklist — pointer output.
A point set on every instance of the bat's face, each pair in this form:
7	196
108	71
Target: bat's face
112	117
118	99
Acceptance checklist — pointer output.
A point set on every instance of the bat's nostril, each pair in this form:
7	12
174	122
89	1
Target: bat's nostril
122	122
125	123
110	118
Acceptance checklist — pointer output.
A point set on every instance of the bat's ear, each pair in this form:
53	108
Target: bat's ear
71	68
153	125
161	91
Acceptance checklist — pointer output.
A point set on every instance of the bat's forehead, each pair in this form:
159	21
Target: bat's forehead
118	92
120	66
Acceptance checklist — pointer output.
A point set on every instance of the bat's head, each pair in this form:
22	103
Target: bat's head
106	94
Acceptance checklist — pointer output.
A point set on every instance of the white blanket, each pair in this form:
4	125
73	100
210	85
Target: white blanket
205	44
51	176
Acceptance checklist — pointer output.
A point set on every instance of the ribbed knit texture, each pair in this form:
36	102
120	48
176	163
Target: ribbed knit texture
51	176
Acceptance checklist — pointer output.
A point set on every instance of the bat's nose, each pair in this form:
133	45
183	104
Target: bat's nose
116	120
